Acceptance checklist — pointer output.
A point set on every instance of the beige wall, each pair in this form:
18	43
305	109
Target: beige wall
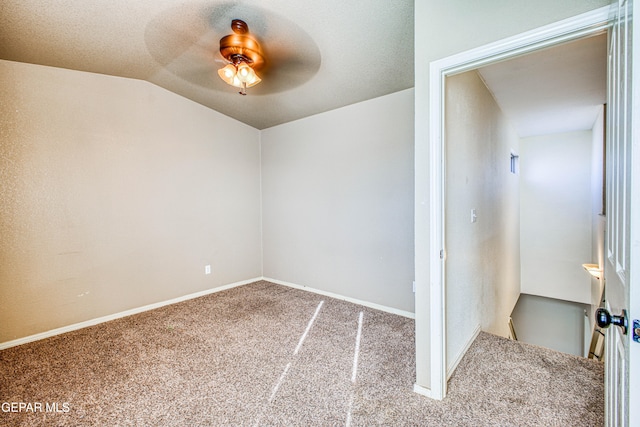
551	323
115	194
555	216
482	268
444	28
338	201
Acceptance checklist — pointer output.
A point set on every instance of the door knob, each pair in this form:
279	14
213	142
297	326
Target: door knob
604	319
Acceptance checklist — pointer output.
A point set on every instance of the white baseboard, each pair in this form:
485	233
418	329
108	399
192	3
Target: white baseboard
344	298
96	321
456	362
422	390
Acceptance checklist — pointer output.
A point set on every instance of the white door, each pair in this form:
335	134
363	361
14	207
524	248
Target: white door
622	359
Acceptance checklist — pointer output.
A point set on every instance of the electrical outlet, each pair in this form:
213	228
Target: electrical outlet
474	216
207	269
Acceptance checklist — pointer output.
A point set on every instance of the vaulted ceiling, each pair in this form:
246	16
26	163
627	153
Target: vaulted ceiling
321	54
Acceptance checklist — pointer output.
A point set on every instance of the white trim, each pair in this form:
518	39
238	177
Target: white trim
456	362
422	390
375	306
103	319
586	24
576	27
436	231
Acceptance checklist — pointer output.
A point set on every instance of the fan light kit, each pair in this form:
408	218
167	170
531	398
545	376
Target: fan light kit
243	54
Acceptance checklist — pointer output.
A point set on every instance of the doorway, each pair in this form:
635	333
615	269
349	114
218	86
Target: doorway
586	25
523	140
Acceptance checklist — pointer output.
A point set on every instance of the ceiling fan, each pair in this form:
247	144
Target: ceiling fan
244	54
191	41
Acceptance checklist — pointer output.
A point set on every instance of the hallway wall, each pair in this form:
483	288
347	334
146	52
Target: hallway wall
550	323
556	215
482	265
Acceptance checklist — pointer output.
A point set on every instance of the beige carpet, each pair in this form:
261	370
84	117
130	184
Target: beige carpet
264	354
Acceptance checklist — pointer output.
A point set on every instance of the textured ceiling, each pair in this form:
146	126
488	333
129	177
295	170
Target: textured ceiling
559	89
320	55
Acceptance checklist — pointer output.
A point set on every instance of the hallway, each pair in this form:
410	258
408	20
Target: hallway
510	383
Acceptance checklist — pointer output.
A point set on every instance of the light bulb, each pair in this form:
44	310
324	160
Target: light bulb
228	73
236	82
240	75
245	72
254	80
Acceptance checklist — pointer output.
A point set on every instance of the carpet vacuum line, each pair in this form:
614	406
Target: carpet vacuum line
276	387
354	371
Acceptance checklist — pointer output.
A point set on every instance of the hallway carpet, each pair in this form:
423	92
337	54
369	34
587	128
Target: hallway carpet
265	354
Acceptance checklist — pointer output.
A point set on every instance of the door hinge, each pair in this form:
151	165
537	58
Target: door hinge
441	253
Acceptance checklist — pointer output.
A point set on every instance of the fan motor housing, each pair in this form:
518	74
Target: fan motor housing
240	46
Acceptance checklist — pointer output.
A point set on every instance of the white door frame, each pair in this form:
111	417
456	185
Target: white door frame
584	25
